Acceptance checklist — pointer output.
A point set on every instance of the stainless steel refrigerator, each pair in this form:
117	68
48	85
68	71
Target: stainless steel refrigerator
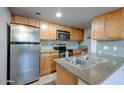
24	54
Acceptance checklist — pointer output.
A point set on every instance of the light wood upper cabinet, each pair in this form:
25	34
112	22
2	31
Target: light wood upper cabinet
33	22
44	30
98	27
77	35
68	29
109	26
122	22
60	27
48	30
73	36
25	20
113	25
80	35
20	20
52	31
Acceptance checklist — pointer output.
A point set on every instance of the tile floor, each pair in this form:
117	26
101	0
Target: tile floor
46	80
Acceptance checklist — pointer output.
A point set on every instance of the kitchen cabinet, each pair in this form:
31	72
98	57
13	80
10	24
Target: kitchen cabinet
48	30
68	29
77	35
122	22
113	25
73	35
98	28
60	27
54	56
77	52
44	30
33	22
20	20
25	20
47	64
64	77
52	31
108	26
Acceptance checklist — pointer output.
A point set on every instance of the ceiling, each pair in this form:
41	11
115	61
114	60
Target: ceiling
79	17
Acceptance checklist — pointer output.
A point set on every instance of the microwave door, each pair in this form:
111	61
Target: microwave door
60	36
66	36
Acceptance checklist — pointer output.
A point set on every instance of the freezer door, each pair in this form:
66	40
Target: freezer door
24	63
23	33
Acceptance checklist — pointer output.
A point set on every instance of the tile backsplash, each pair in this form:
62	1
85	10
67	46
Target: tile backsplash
111	47
49	44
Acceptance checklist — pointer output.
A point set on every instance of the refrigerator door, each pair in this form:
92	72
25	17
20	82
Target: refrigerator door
23	33
24	63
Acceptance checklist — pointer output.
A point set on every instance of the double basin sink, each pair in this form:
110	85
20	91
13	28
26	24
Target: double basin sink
85	61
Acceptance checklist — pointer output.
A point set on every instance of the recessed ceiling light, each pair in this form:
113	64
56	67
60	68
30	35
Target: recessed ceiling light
58	14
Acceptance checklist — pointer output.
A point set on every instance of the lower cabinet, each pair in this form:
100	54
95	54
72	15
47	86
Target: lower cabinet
54	56
77	52
64	77
47	64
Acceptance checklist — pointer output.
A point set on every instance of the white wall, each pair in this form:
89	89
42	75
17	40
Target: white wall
4	19
93	46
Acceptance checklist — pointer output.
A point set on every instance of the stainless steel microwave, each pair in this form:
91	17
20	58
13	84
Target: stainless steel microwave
63	35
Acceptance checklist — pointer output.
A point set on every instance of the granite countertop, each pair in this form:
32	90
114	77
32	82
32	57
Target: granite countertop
47	51
94	74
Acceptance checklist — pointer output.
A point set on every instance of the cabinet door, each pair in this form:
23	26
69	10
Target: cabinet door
33	22
73	34
20	20
45	64
54	56
77	53
122	22
68	29
44	35
98	28
63	77
79	34
60	27
52	31
113	25
76	35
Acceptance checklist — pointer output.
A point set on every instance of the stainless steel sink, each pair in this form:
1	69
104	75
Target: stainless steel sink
85	61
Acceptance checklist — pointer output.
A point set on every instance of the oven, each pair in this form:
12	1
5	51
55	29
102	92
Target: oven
62	54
